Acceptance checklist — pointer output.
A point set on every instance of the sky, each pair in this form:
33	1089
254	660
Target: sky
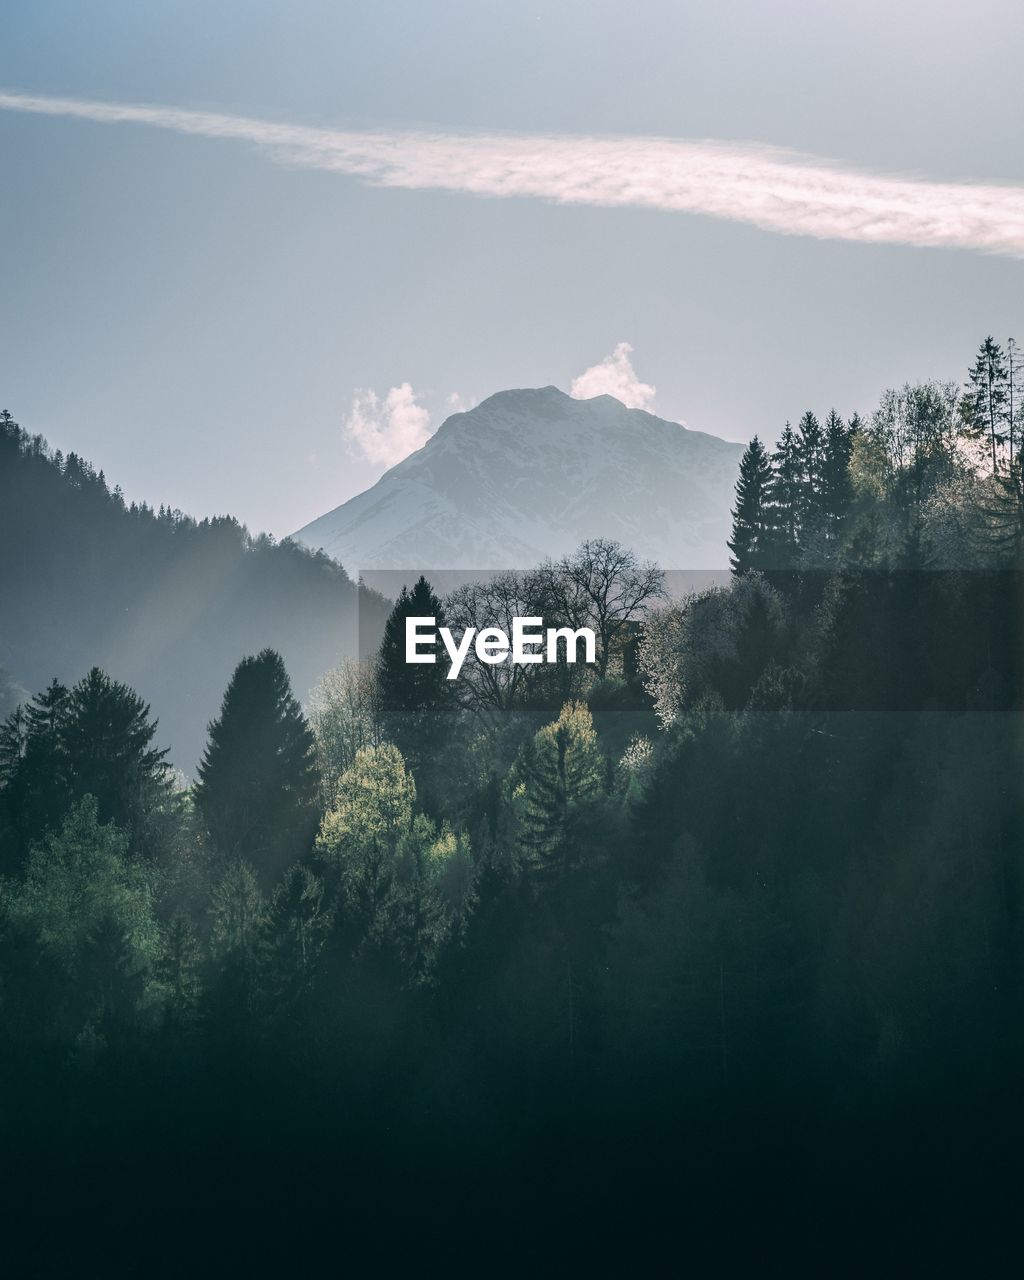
252	254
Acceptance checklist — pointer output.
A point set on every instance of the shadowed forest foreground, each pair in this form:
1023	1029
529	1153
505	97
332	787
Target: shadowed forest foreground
711	952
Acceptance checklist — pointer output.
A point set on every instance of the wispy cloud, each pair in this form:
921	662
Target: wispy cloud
389	429
768	187
615	376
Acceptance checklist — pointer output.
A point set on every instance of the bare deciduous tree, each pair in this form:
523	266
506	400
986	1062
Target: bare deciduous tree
602	585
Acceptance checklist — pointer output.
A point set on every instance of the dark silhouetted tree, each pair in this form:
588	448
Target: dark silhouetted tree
258	787
561	771
416	699
987	402
751	541
836	487
94	739
785	498
811	452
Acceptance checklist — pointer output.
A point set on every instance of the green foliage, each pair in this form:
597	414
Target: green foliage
411	690
404	886
90	909
560	772
94	739
986	407
752	529
81	876
179	970
294	930
167	602
345	714
417	700
258	787
236	913
794	890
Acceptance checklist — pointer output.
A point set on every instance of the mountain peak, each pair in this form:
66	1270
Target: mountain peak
532	472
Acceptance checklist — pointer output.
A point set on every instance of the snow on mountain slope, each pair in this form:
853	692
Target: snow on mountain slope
532	473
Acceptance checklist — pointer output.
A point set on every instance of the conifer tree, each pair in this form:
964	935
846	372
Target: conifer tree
411	689
107	736
561	772
294	930
90	906
416	699
1014	416
258	784
785	498
178	970
236	912
987	399
811	452
94	739
750	543
34	791
836	486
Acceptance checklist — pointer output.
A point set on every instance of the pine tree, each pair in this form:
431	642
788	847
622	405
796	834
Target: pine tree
811	452
750	543
294	931
836	486
987	399
236	912
34	787
107	734
258	785
416	699
94	739
178	970
785	498
410	690
1014	414
561	771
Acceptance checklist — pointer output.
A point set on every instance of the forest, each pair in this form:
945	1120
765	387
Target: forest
713	942
167	602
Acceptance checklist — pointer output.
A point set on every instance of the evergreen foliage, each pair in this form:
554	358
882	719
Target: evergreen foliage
987	410
745	938
94	739
166	601
560	772
258	785
751	543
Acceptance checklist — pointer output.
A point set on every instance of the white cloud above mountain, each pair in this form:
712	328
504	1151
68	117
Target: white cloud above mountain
386	429
615	376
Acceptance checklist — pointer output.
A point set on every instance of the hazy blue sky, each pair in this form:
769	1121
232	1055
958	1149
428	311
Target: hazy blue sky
197	317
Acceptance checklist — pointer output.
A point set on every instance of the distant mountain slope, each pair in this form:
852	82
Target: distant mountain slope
533	473
166	603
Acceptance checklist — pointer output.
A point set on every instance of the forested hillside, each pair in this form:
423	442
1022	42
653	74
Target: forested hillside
713	948
168	602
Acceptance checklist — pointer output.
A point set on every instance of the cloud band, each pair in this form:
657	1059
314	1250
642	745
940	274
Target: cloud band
767	187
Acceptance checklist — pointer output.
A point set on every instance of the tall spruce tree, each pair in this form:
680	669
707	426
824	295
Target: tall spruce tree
987	400
785	498
258	783
107	741
751	539
416	698
836	486
811	452
411	689
561	772
93	739
1014	417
